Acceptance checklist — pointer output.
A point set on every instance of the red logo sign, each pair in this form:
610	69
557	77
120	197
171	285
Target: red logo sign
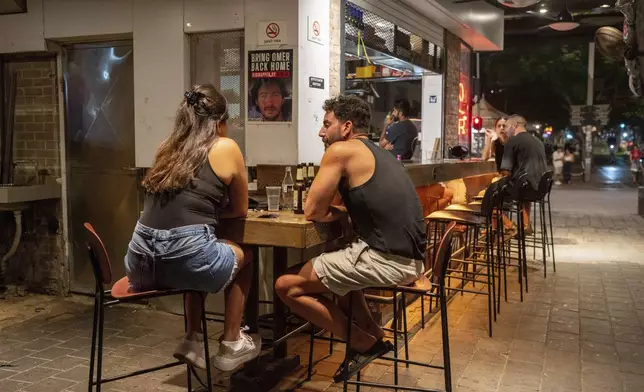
272	30
316	28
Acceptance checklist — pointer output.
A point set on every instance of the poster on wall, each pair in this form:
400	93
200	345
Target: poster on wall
270	85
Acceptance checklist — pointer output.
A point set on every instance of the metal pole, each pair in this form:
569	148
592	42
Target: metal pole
588	130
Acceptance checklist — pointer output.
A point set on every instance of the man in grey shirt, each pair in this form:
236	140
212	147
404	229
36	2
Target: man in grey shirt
524	153
399	133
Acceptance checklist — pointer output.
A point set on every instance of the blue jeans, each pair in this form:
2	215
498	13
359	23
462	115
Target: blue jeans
187	257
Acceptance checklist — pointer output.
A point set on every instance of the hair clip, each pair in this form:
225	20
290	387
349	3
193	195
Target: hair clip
192	97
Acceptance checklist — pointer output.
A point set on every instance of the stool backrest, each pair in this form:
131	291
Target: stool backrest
545	183
443	254
520	183
98	256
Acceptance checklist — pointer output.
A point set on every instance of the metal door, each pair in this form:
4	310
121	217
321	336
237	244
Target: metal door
101	176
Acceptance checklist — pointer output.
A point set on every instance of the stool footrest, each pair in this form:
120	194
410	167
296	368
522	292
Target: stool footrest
139	372
400	387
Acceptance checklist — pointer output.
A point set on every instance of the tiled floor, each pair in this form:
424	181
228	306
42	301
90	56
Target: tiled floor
581	329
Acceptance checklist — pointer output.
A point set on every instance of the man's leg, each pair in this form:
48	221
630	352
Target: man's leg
526	214
361	314
301	293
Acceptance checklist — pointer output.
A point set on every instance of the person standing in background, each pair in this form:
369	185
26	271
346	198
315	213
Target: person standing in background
569	159
636	164
399	132
558	163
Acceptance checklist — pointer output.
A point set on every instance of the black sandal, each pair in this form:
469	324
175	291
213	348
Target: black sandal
357	361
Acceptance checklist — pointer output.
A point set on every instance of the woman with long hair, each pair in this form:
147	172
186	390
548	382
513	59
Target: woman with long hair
198	177
495	141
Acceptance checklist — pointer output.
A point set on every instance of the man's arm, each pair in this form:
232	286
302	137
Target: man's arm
394	132
318	206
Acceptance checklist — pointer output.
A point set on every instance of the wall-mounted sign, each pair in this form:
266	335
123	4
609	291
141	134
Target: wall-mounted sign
433	99
315	31
465	99
316	82
272	33
270	85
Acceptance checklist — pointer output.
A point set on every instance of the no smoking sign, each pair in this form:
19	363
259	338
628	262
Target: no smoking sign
315	32
272	30
271	33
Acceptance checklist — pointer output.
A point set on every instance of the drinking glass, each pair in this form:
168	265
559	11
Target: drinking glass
273	196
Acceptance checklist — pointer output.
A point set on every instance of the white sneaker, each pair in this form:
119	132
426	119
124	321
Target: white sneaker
557	182
192	352
233	354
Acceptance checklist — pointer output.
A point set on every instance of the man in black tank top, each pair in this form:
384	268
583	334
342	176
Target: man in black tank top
382	204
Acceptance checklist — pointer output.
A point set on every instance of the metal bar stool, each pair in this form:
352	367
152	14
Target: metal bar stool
477	218
119	294
542	238
436	290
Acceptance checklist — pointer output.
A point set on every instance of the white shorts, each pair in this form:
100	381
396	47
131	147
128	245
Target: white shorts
357	267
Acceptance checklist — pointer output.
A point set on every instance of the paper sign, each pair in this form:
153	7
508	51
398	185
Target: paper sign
315	31
316	82
272	33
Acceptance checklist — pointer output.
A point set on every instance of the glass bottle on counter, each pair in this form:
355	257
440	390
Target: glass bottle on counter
299	191
287	190
311	174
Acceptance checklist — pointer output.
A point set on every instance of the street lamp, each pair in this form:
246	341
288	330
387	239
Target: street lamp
622	125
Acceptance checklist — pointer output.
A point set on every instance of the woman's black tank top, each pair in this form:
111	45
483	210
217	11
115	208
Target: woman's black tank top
200	202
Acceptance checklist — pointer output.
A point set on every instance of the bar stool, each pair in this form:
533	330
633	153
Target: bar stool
436	290
119	294
476	218
541	238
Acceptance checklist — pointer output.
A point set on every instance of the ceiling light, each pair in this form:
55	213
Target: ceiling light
564	21
605	6
543	10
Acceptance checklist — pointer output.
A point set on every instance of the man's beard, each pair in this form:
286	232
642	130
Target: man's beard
271	118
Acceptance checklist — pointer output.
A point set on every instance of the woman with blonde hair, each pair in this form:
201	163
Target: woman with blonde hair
198	177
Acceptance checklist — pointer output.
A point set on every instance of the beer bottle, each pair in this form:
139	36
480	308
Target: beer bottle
311	174
299	191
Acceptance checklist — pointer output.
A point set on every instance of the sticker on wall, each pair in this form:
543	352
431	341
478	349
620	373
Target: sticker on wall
315	31
316	82
270	85
433	99
271	33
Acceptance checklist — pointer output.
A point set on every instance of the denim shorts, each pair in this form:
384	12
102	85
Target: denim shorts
187	257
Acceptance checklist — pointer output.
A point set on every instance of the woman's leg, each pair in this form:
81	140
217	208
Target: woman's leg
237	292
235	298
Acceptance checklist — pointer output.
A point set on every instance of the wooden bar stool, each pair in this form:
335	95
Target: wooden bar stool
119	294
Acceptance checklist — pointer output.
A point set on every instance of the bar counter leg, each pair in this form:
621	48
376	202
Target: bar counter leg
251	313
279	329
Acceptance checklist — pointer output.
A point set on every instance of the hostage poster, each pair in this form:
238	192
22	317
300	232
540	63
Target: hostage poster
270	85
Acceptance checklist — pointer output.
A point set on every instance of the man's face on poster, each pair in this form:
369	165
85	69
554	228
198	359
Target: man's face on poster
269	101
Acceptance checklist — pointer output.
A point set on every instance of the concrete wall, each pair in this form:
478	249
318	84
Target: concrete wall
161	72
313	61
